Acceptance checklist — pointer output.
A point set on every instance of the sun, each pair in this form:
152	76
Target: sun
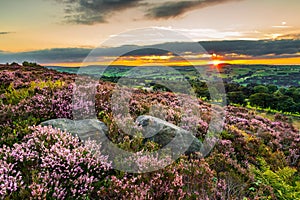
216	62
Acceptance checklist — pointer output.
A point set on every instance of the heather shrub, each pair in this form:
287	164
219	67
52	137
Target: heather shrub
10	179
14	96
181	180
48	100
254	158
54	164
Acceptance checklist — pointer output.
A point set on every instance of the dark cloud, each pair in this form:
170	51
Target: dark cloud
174	9
90	12
94	11
293	36
254	48
259	49
147	52
170	9
5	33
46	56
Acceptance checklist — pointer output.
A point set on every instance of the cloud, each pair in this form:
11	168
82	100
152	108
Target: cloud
205	34
259	49
5	33
90	12
173	9
170	9
147	52
282	26
75	55
254	48
46	56
292	36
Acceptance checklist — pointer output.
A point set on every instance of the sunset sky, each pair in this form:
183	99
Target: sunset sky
63	32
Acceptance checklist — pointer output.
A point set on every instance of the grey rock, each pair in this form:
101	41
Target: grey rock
84	129
165	133
153	129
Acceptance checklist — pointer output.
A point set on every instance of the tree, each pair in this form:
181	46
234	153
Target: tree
296	107
236	97
30	64
272	88
283	90
261	99
285	104
158	87
201	89
25	63
296	96
232	87
261	89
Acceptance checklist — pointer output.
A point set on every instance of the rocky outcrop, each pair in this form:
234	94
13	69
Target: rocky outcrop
154	129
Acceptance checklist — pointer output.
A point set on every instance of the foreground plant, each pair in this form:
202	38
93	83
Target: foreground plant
50	163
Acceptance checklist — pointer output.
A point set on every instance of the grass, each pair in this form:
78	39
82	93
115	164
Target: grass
296	123
270	114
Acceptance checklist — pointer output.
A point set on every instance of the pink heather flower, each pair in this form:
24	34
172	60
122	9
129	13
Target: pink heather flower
10	179
66	167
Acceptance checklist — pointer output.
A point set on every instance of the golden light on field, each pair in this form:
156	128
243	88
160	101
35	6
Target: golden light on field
273	61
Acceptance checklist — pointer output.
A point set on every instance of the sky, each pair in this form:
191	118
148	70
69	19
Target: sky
63	32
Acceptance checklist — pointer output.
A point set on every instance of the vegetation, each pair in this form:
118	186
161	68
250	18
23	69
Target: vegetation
255	158
267	87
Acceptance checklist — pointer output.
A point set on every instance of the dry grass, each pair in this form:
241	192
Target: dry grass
271	116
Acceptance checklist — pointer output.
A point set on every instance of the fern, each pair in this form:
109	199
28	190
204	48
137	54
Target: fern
14	96
282	181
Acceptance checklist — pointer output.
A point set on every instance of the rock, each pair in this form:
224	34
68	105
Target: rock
84	129
163	133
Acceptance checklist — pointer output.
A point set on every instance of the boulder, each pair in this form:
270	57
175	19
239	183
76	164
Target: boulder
154	129
84	129
164	133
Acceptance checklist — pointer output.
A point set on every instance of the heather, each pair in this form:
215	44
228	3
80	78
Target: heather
266	87
254	158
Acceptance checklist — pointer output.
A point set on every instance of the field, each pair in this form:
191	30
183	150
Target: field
279	75
273	88
271	116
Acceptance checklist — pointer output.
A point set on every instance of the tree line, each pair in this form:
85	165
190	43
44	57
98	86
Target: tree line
258	95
